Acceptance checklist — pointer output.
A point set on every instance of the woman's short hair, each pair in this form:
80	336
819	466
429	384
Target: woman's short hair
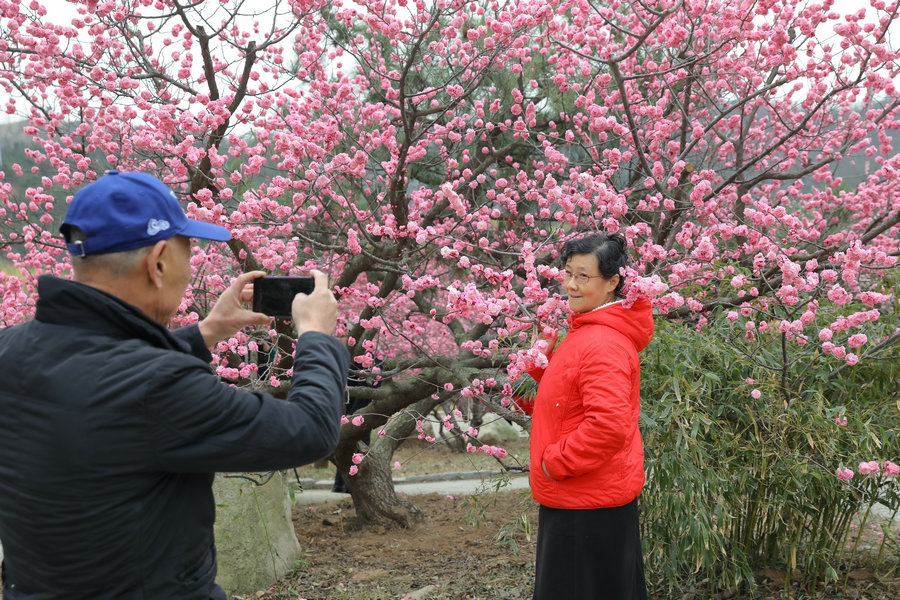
610	250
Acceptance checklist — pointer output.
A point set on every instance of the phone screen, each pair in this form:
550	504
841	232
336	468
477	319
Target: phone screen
274	295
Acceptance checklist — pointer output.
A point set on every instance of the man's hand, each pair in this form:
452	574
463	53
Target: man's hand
316	311
229	316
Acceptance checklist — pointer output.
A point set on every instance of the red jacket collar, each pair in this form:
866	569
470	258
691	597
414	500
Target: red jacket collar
634	321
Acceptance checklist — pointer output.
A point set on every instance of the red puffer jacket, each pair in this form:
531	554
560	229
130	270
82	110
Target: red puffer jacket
585	427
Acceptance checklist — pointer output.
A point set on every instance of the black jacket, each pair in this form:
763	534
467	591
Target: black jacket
111	428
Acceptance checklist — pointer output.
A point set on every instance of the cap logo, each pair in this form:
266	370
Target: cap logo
154	226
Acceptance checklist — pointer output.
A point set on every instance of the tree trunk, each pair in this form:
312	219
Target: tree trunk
372	488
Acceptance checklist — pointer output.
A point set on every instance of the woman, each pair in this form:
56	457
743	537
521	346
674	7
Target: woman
587	460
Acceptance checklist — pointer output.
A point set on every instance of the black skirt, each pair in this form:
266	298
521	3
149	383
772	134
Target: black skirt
592	554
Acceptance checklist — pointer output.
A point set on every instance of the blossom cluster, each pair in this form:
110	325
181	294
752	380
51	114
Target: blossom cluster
487	449
889	469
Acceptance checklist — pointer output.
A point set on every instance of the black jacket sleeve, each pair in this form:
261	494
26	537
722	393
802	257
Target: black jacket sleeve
199	424
191	336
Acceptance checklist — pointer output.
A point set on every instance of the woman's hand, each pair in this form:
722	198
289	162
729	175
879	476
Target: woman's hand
544	468
544	339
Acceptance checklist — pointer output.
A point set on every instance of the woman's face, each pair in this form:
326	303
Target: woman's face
585	286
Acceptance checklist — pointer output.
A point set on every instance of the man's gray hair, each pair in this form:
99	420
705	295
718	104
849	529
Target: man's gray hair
113	263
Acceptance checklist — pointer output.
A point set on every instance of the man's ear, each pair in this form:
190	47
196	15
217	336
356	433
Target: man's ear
155	263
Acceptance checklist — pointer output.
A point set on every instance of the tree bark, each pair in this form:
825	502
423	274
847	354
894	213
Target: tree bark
372	488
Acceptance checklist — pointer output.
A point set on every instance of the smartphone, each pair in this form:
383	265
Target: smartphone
274	295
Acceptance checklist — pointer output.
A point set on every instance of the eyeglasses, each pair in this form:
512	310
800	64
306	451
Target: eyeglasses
580	278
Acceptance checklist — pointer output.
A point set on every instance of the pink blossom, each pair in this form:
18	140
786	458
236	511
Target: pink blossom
890	468
844	474
857	340
841	421
357	458
353	470
344	420
493	451
839	295
358	420
397	465
756	394
869	468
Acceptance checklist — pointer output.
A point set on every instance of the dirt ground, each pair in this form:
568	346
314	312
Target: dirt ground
455	554
467	549
459	554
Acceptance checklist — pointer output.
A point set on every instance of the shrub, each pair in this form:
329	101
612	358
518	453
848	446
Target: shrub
742	448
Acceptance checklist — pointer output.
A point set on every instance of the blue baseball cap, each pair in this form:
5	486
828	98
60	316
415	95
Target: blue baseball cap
125	211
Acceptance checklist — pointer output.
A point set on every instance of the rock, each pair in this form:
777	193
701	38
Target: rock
255	536
495	430
421	592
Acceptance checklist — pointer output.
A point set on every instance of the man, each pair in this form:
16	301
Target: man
112	426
